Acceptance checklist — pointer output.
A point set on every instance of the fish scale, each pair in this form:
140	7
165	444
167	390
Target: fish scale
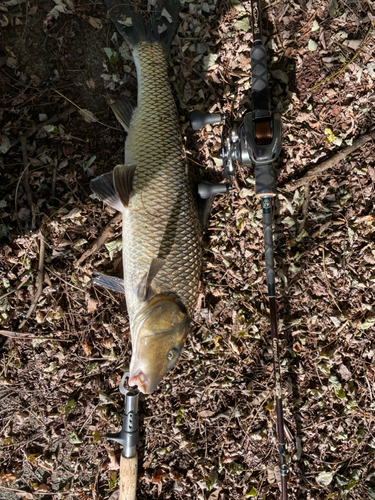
162	212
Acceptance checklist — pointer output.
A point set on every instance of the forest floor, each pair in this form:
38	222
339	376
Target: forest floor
209	431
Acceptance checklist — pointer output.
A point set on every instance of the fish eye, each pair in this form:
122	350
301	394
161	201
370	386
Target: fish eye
173	353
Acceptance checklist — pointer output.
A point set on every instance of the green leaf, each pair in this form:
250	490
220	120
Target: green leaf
312	45
339	392
51	129
87	164
212	479
243	24
96	436
324	478
4	144
209	61
323	367
69	405
112	480
112	55
330	135
112	246
302	235
333	8
252	493
74	439
367	324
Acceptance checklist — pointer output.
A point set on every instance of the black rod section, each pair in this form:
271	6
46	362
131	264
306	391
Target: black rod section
257	21
270	272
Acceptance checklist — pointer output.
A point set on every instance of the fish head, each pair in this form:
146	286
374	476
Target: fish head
158	336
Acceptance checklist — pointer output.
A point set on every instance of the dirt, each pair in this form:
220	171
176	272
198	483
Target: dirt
209	431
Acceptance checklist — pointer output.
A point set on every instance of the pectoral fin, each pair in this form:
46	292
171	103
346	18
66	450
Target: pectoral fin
103	187
109	282
123	182
123	111
144	286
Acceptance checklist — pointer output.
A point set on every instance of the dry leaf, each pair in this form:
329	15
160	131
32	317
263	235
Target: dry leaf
113	463
92	305
96	23
206	413
215	494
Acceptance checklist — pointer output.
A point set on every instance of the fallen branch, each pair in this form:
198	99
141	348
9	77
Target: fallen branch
26	336
316	171
106	233
40	280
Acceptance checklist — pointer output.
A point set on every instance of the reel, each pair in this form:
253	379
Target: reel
256	143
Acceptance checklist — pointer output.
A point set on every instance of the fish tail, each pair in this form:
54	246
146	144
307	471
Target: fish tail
137	26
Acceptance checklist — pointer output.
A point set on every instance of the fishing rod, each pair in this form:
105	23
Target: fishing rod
257	144
128	438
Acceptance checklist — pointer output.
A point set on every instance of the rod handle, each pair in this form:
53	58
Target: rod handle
199	119
128	478
261	93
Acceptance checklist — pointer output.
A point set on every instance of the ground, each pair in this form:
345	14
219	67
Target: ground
209	431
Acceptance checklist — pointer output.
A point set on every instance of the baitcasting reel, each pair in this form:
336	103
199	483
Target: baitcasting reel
257	143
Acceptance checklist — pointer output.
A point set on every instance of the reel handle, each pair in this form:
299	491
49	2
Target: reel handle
206	189
199	119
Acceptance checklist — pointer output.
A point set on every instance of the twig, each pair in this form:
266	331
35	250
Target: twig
366	41
332	419
54	119
25	180
26	336
84	112
23	281
305	207
40	280
314	172
327	282
106	233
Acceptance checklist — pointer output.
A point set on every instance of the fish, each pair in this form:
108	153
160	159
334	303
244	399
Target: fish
162	227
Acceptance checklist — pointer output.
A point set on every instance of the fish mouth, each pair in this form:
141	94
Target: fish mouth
140	379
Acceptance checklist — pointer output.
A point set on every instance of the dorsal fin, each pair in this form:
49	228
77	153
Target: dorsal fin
103	187
123	110
144	286
123	182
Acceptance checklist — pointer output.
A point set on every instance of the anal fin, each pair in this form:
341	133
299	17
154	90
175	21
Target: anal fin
109	282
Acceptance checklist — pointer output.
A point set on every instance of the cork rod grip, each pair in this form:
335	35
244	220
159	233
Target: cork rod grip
128	478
